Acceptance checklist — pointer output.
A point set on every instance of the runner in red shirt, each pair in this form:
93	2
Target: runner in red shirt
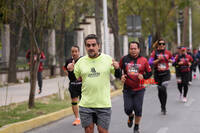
160	59
184	62
135	68
40	69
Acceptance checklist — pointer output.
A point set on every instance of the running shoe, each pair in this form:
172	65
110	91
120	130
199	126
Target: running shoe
76	122
184	99
164	111
136	131
195	76
39	91
130	121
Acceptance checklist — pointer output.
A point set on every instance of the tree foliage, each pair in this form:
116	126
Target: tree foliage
158	16
155	18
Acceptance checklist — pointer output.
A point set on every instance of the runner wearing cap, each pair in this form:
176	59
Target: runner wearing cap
184	62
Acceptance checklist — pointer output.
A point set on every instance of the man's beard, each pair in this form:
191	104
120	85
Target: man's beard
93	55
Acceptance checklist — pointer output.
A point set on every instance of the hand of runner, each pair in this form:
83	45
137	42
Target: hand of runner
35	57
115	64
159	58
170	60
70	66
140	76
123	78
180	63
189	63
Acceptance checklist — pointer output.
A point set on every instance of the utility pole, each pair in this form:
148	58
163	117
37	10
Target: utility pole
190	28
105	18
179	25
178	33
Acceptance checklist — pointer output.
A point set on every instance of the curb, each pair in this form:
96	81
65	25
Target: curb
21	127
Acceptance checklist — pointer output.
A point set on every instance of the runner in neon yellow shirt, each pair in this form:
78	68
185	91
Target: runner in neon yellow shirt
95	74
94	69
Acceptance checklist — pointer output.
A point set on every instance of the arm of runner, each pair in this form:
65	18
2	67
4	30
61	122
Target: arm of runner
180	63
65	70
190	61
172	60
123	78
140	76
118	72
70	66
77	71
42	57
148	72
157	60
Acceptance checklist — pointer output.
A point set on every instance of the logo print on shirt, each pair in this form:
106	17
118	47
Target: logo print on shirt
93	70
93	73
133	69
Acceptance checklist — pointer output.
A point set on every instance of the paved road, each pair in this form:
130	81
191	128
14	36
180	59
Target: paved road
20	92
181	117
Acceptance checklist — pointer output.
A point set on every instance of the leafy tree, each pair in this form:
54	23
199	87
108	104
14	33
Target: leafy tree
35	13
155	19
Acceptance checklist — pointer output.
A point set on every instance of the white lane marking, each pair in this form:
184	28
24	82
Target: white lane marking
189	102
163	130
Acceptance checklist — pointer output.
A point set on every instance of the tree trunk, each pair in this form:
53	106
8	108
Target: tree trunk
113	21
33	70
117	47
185	26
118	53
61	48
142	46
16	37
31	21
156	35
98	7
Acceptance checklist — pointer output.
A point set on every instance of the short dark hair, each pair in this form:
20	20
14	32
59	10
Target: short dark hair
91	36
76	46
129	44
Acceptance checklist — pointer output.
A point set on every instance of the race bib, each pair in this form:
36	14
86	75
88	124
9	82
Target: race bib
133	69
162	66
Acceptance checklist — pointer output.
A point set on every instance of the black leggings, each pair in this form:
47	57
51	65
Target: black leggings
181	87
162	88
184	83
133	101
194	67
162	95
199	68
39	78
190	75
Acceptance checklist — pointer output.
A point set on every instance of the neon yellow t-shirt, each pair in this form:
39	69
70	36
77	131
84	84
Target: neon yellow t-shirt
95	74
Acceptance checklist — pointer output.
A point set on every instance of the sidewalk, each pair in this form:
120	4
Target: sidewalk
20	92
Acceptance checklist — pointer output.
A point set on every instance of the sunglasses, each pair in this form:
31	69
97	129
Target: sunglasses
89	45
161	43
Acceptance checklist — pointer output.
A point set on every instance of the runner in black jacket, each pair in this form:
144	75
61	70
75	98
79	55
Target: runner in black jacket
74	85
